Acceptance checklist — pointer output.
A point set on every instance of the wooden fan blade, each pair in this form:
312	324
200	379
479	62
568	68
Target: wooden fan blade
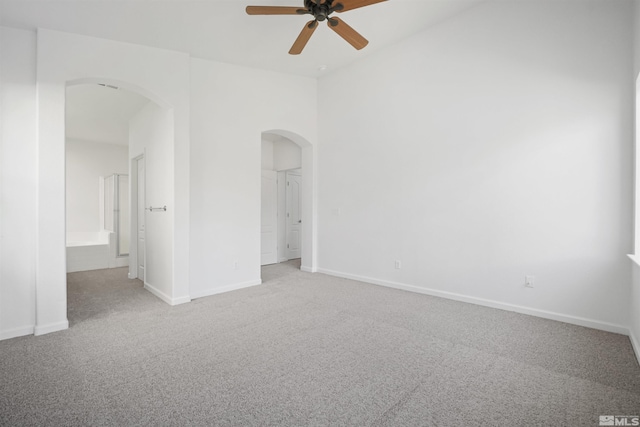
347	33
303	38
275	10
353	4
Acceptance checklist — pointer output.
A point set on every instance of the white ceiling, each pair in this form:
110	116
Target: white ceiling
220	30
100	114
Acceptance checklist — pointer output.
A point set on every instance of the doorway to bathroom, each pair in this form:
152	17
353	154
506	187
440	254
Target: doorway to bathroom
98	199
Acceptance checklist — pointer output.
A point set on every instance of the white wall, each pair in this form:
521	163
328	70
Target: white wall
228	120
494	146
286	155
160	75
18	157
636	36
230	108
281	155
634	300
86	162
150	134
267	155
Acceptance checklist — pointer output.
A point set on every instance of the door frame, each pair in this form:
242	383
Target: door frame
272	176
309	250
291	172
133	211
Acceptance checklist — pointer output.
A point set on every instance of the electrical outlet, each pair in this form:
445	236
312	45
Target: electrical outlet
529	281
398	264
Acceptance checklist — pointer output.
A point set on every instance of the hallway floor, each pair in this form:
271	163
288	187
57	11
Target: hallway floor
100	293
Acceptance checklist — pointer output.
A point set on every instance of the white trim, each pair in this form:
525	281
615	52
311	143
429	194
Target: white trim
17	332
181	300
635	258
51	327
228	288
580	321
166	298
635	344
311	269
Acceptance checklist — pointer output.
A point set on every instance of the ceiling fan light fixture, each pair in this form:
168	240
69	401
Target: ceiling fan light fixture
320	9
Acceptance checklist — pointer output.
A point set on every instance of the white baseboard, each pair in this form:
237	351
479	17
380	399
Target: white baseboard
166	298
52	327
120	262
635	344
17	332
574	320
228	288
309	269
181	300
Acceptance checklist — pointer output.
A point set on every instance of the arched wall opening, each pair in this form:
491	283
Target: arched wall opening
97	120
131	87
308	198
68	59
150	139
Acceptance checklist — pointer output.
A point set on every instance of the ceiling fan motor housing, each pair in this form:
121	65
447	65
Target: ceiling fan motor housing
321	10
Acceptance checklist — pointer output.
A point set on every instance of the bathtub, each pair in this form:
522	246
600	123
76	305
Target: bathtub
92	251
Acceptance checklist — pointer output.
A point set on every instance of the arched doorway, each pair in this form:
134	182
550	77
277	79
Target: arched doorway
148	134
52	237
308	196
66	59
106	127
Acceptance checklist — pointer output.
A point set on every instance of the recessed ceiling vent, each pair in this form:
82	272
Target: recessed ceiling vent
109	86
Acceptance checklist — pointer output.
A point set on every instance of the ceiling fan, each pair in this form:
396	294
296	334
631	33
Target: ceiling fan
320	9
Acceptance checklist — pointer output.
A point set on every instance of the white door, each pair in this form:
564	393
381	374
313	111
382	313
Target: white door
294	215
141	214
269	218
282	216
